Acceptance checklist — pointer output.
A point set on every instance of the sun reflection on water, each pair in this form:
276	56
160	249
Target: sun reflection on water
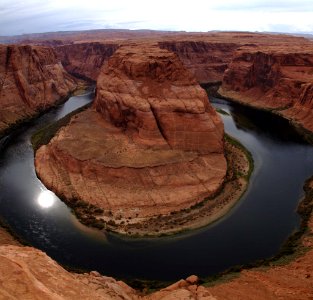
46	199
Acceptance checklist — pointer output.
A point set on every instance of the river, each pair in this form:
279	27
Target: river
254	229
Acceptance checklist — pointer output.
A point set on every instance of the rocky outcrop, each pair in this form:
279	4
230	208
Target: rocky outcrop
31	80
276	78
85	60
152	143
28	273
206	60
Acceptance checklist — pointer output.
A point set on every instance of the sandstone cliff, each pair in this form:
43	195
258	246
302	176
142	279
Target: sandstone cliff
152	143
273	77
85	59
31	79
207	60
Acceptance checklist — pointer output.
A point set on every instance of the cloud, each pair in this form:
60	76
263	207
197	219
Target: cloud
265	5
17	16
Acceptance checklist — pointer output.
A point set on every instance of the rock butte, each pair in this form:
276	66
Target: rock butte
151	144
29	273
32	79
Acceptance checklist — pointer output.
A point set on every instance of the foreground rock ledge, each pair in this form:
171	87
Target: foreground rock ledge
150	145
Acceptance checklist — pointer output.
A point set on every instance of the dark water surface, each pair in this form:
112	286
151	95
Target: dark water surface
255	228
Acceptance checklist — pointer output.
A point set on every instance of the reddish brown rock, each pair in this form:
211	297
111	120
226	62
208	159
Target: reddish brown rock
274	77
31	80
290	281
85	59
152	144
28	273
206	60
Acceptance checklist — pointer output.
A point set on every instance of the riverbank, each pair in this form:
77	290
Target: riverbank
208	211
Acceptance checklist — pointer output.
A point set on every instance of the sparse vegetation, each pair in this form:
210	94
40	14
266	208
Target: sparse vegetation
240	166
221	111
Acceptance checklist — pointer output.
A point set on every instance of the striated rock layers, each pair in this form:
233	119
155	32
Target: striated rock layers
274	77
85	59
151	144
207	60
31	79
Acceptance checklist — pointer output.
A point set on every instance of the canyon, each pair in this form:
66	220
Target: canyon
272	72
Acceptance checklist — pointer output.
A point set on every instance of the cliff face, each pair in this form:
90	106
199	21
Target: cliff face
206	60
152	143
31	79
157	101
85	59
273	78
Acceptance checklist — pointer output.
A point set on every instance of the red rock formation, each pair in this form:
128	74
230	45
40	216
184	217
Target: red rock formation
31	80
157	101
28	273
268	76
85	59
274	77
207	60
152	144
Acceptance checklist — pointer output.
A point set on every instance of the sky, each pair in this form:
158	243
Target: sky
33	16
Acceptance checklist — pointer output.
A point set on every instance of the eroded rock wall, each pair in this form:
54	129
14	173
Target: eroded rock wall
273	78
31	79
206	60
85	60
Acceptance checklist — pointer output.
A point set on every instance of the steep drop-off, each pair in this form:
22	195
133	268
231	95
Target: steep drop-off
85	59
152	143
31	79
276	78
